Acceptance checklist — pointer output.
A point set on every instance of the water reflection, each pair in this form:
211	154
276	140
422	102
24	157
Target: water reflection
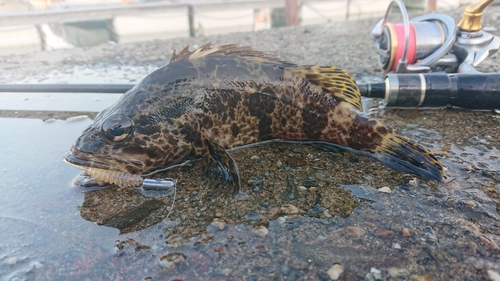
124	209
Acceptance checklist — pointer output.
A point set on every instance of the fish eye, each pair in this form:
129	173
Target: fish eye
117	128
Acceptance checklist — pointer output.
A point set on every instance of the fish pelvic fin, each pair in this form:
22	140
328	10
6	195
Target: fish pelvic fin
336	82
221	169
402	154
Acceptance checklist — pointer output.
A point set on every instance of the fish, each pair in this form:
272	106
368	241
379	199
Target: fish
208	101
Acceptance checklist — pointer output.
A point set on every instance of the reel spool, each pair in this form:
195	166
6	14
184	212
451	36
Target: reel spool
417	45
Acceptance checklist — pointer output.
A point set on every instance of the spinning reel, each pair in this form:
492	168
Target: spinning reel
434	61
431	42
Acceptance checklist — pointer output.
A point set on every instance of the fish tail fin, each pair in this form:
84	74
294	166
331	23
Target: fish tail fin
370	137
402	154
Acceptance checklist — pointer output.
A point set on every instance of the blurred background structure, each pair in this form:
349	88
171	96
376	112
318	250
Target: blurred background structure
30	25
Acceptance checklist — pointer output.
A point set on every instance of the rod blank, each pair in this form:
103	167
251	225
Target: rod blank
66	88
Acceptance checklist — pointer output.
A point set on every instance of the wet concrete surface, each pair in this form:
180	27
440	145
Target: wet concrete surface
308	214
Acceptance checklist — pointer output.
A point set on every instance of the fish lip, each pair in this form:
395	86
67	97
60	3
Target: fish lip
82	164
82	160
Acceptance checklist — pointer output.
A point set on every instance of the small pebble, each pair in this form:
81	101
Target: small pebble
385	189
226	271
220	224
406	232
413	182
279	164
253	216
389	234
398	272
321	176
289	209
254	157
301	187
255	182
490	244
425	277
265	204
260	231
317	209
288	169
241	196
285	270
171	259
493	275
335	271
335	157
309	181
353	159
396	246
327	214
353	231
295	162
368	177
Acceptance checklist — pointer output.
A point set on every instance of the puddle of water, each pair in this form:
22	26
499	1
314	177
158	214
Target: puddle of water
39	222
411	231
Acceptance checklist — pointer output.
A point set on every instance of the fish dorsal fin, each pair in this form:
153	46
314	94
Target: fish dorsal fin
229	50
337	82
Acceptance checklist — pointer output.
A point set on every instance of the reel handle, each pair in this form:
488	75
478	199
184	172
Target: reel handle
471	19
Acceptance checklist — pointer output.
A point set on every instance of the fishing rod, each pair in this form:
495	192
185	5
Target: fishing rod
66	88
473	91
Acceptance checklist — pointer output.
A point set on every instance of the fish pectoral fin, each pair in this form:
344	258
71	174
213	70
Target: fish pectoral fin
336	82
221	169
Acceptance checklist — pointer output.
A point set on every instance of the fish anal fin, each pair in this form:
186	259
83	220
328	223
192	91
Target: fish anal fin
220	168
336	82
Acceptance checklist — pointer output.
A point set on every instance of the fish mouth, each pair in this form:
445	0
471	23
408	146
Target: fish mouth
84	164
83	160
104	172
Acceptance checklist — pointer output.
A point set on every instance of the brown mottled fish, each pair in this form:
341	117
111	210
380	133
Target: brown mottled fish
212	99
